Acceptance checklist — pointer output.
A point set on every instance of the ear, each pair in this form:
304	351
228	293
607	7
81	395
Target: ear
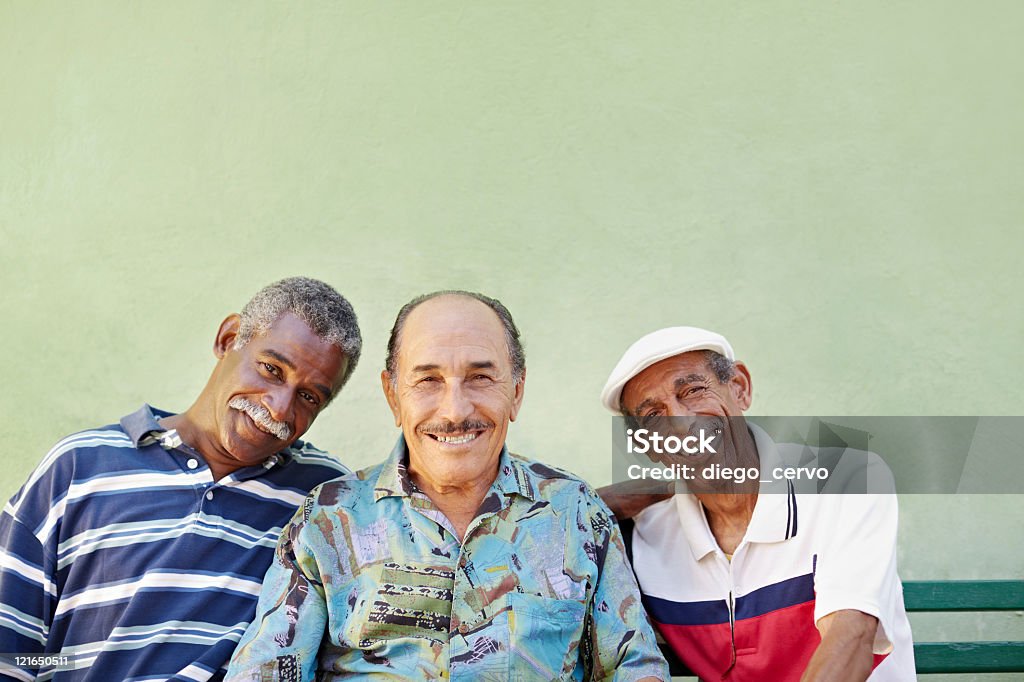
391	395
741	386
517	398
226	335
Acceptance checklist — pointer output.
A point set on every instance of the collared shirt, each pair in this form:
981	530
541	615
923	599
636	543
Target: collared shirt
803	556
370	578
124	555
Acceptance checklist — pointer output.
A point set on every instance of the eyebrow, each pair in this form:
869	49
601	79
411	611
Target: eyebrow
480	364
690	379
324	390
424	368
280	358
644	405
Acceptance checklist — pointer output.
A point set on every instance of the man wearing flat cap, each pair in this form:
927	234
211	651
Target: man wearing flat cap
753	579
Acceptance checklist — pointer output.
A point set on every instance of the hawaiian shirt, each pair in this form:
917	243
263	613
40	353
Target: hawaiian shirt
370	578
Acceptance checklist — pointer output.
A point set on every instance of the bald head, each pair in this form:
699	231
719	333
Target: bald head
453	304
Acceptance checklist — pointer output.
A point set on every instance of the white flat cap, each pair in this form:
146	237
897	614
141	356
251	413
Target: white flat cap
655	347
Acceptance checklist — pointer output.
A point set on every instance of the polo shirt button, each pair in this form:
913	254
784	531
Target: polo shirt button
209	495
463	628
192	463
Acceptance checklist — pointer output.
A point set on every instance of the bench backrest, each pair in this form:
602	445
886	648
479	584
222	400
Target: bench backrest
966	595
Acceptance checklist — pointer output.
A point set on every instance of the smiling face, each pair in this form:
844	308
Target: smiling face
267	393
453	392
681	395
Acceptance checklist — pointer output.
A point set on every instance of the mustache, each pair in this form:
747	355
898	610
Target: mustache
261	416
447	427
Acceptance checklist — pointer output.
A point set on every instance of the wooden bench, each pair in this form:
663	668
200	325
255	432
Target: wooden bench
952	657
966	595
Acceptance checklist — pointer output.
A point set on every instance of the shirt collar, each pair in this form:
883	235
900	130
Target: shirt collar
774	517
514	478
143	427
774	514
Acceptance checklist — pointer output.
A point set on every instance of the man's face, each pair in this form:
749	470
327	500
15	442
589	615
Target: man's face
268	392
453	392
682	386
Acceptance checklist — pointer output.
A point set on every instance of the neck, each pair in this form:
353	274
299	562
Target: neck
728	517
730	508
457	500
197	435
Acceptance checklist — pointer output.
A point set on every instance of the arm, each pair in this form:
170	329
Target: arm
283	640
621	640
858	593
844	654
25	595
629	498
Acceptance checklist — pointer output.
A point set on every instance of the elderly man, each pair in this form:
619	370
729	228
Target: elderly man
135	551
754	579
453	559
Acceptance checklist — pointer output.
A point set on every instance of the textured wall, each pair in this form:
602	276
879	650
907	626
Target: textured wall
837	188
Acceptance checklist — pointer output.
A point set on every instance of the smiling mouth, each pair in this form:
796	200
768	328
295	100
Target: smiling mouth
259	427
455	439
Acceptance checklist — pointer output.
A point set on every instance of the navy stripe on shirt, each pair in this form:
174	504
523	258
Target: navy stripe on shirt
123	553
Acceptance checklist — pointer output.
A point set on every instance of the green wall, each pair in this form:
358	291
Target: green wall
834	186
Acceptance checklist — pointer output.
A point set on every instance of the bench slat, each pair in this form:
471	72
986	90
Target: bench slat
969	657
964	595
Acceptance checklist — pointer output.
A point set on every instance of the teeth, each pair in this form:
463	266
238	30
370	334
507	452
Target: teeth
457	440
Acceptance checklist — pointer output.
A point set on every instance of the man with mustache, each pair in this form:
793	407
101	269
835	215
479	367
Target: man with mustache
136	551
453	559
748	578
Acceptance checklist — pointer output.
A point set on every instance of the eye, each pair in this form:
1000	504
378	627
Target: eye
271	369
309	398
650	417
480	378
692	391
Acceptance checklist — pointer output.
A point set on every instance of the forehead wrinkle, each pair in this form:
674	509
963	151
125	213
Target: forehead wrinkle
424	368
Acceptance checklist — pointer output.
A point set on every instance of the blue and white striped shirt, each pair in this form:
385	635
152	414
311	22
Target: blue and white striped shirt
122	553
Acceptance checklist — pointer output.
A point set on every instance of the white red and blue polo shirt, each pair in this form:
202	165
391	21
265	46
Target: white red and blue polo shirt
803	556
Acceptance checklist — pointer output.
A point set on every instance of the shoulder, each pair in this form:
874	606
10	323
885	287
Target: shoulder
550	480
94	447
307	456
349	491
563	490
82	455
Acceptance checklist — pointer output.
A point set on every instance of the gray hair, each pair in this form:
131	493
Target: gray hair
723	367
516	354
329	315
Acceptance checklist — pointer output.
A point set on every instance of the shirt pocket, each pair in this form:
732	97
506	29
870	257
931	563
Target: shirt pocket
544	636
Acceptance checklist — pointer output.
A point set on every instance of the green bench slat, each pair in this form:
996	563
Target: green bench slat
964	595
969	657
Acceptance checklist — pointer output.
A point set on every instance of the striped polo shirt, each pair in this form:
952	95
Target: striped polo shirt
804	555
123	554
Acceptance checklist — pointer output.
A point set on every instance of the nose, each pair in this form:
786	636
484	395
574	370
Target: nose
676	409
280	401
455	404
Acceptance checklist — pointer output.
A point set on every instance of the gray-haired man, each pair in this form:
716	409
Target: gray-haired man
749	579
137	550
